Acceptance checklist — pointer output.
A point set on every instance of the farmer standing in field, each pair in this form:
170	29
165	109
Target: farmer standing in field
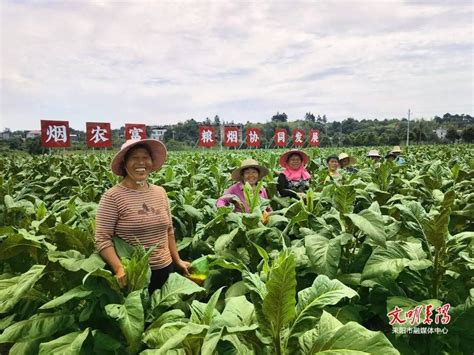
249	171
395	154
374	155
332	162
346	162
139	213
294	180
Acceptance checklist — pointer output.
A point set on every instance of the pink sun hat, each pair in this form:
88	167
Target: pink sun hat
284	157
156	148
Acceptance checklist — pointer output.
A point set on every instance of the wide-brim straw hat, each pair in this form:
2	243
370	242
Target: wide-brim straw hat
156	148
373	153
352	160
249	163
284	157
396	149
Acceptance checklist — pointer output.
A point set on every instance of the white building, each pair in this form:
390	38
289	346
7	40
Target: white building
158	133
6	134
441	132
33	134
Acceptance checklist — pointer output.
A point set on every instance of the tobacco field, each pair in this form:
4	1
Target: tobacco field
319	277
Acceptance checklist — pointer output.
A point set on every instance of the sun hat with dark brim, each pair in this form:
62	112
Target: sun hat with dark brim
352	160
284	157
373	153
249	163
156	148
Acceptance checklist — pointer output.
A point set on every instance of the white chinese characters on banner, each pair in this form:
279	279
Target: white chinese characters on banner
298	137
232	136
281	137
253	137
98	135
135	133
206	136
56	133
315	137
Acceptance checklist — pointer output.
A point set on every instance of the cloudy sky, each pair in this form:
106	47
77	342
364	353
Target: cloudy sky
160	62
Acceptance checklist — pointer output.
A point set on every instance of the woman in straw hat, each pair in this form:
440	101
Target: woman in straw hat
374	155
139	213
395	154
249	171
294	179
346	162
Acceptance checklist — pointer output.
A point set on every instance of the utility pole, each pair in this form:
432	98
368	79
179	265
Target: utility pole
408	128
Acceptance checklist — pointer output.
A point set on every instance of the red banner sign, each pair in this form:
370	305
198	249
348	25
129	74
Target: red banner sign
314	137
253	137
281	137
55	134
135	131
298	137
231	136
98	135
207	136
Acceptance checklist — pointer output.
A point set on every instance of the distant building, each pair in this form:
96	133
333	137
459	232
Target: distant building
157	133
33	134
6	134
441	132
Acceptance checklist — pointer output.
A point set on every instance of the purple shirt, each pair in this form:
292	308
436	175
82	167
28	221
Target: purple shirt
237	190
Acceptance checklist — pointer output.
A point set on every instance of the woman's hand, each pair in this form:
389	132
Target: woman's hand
121	277
183	267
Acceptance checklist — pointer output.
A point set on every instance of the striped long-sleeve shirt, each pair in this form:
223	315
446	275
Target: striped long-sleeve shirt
138	217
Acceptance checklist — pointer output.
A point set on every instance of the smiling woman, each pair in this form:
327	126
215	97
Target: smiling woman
138	213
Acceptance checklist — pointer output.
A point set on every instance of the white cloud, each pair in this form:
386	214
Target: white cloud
163	62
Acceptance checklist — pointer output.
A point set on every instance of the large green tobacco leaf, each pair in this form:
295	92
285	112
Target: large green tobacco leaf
323	292
70	344
332	337
371	224
175	287
238	312
79	292
176	341
137	269
279	302
436	226
25	348
39	326
157	336
17	244
324	254
344	198
74	261
130	318
387	263
12	289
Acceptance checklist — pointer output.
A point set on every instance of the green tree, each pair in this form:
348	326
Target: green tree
452	134
15	143
280	117
33	145
309	117
468	134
